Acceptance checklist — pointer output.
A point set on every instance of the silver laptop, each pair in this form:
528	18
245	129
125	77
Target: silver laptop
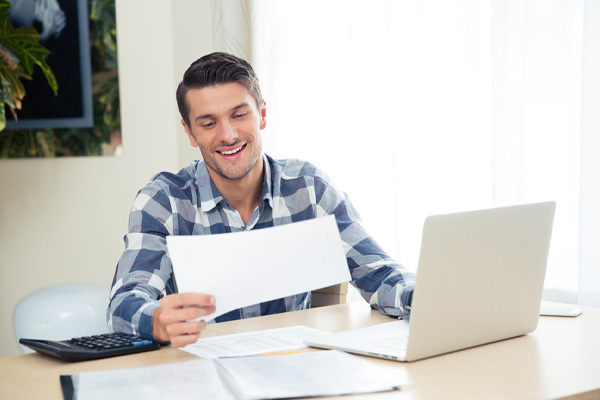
480	280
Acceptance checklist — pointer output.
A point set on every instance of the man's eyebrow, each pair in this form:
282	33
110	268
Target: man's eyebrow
240	106
207	116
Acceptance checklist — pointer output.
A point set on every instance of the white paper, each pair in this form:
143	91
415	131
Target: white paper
186	380
251	343
314	373
246	268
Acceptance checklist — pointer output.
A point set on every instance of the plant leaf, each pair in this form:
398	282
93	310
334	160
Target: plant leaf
25	34
2	114
4	7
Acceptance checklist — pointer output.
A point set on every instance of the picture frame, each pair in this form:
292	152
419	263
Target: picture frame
64	30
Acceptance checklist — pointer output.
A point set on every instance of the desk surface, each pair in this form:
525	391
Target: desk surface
558	360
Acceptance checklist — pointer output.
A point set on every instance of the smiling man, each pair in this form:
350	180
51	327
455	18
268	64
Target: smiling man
224	121
235	187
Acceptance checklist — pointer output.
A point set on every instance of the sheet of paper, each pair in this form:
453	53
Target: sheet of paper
246	268
251	343
186	380
311	374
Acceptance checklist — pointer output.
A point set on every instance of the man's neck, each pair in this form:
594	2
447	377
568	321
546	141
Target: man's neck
242	194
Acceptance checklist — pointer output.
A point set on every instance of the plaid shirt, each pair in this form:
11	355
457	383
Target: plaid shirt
188	203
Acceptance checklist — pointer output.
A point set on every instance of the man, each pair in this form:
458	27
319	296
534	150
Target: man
234	188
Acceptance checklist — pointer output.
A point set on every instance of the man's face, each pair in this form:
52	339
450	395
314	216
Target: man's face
225	123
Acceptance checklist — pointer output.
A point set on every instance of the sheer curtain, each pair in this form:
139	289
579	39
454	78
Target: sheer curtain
423	107
589	213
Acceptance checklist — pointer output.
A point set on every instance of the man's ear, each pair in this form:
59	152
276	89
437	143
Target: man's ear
263	115
193	141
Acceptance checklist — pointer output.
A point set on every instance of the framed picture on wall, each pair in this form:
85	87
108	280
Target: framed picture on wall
64	30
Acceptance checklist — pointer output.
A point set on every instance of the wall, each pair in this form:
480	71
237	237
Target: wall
63	220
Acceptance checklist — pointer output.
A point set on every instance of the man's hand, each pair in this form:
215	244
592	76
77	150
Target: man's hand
171	321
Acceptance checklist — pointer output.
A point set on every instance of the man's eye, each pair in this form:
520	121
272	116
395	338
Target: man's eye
207	125
240	115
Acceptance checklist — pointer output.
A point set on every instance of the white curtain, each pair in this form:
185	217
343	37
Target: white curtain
424	107
589	212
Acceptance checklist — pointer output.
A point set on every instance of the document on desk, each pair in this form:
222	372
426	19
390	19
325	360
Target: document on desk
311	374
245	268
252	343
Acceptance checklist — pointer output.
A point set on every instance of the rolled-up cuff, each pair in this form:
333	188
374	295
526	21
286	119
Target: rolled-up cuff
145	322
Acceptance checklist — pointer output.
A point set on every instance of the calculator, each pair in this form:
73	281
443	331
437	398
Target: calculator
92	347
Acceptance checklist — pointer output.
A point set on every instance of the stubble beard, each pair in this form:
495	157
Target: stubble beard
236	172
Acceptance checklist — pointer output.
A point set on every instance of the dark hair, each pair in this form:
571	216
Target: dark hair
213	69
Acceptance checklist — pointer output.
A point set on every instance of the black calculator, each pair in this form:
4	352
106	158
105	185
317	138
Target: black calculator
92	347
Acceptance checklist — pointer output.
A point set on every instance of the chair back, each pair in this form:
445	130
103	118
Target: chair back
61	312
330	295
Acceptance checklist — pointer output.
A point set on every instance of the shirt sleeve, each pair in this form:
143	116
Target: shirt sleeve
144	271
385	284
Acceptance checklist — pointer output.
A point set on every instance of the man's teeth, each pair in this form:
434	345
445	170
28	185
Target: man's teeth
228	153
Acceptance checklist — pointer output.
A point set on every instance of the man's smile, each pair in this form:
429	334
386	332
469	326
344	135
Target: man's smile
232	151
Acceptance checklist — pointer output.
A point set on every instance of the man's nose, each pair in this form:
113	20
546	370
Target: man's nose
227	132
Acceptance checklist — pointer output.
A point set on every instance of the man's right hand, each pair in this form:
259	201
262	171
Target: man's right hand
172	320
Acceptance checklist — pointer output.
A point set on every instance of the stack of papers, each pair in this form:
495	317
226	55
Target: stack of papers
309	374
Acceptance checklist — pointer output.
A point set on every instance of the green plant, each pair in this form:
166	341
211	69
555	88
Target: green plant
20	52
105	92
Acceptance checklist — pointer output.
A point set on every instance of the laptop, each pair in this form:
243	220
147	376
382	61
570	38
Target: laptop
480	280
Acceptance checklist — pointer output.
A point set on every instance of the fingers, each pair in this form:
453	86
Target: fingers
185	307
184	333
185	313
173	320
188	299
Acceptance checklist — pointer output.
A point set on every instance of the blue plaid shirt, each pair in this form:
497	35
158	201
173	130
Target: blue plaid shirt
188	203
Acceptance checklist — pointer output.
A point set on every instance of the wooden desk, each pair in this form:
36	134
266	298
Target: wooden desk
561	359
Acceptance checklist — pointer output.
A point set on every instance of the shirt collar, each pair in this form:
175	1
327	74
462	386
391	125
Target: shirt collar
209	196
267	190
